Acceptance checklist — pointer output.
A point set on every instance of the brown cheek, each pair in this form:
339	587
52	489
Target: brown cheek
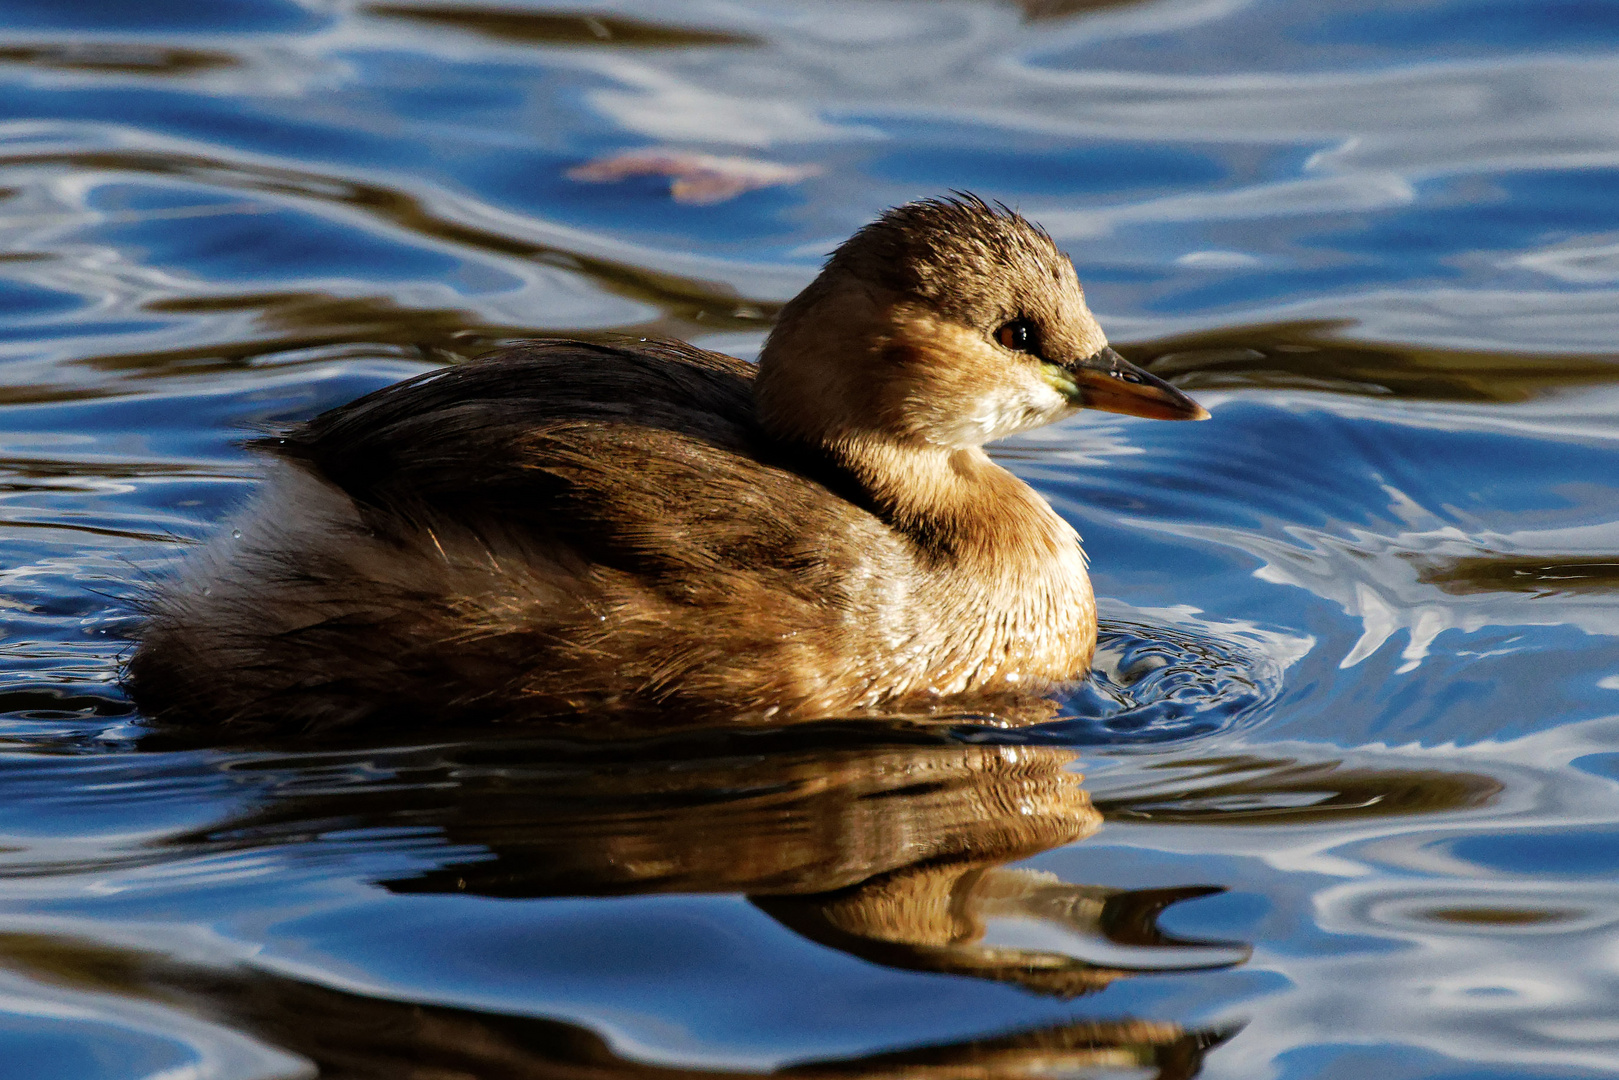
931	387
895	383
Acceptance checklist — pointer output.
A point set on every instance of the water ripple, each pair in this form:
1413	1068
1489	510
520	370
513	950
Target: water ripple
1349	748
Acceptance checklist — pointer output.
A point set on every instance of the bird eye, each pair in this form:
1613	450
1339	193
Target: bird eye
1019	335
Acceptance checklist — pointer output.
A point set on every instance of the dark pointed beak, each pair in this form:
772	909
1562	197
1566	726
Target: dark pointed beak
1109	382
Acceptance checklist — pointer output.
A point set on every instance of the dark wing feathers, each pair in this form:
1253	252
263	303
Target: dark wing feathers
645	459
441	432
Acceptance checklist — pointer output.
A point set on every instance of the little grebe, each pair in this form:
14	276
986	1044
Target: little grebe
566	529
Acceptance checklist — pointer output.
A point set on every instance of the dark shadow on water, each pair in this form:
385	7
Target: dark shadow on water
1537	575
602	29
345	1034
1311	356
1251	790
115	57
299	321
1054	10
690	306
556	27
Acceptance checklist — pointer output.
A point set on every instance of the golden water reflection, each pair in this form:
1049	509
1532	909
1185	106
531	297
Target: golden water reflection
898	847
896	854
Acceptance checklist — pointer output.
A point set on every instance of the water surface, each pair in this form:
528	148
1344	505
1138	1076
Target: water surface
1343	799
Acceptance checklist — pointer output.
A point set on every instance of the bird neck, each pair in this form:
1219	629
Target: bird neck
1001	571
958	506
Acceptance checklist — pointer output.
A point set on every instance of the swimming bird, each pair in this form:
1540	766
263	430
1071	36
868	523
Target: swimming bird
575	530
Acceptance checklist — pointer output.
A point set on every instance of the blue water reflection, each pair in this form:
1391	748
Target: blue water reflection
1349	800
180	17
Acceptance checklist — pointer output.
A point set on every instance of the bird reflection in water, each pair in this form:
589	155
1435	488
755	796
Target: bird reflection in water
893	853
